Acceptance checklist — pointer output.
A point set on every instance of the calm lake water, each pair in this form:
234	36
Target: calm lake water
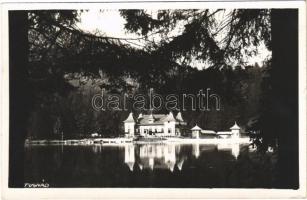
149	165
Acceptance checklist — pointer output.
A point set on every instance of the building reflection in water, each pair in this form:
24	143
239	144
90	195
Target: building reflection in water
235	150
97	148
153	156
166	156
130	156
233	147
158	156
195	150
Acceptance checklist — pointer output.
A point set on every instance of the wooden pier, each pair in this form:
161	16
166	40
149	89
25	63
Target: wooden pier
86	141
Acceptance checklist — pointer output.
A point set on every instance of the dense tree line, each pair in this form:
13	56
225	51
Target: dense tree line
239	89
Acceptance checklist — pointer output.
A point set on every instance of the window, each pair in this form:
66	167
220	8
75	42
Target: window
169	130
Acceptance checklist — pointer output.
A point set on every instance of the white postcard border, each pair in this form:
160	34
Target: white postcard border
150	193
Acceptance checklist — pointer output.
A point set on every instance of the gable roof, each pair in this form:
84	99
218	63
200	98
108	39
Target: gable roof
235	127
130	118
170	117
179	117
196	128
155	119
140	116
159	119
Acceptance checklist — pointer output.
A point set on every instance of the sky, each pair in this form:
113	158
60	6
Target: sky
110	23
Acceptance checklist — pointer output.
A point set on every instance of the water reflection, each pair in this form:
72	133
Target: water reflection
168	156
97	148
129	156
195	150
157	156
233	147
149	165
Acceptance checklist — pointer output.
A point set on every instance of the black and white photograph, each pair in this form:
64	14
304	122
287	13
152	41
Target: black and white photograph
201	98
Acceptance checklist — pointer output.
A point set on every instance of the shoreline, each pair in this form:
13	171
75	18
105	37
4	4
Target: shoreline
118	141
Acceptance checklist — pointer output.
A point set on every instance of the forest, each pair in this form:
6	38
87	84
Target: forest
79	65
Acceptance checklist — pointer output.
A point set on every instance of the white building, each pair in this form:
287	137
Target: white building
196	131
234	132
159	125
129	125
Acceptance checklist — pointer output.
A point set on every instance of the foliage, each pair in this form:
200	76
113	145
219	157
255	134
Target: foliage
216	36
67	66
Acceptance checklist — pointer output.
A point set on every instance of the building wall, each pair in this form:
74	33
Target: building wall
129	128
235	133
195	134
144	130
163	130
169	128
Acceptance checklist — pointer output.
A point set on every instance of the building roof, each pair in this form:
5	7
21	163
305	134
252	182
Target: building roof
158	119
208	131
130	118
140	116
224	133
179	117
235	127
170	117
196	128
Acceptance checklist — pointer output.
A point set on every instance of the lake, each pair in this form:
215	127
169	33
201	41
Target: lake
150	165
